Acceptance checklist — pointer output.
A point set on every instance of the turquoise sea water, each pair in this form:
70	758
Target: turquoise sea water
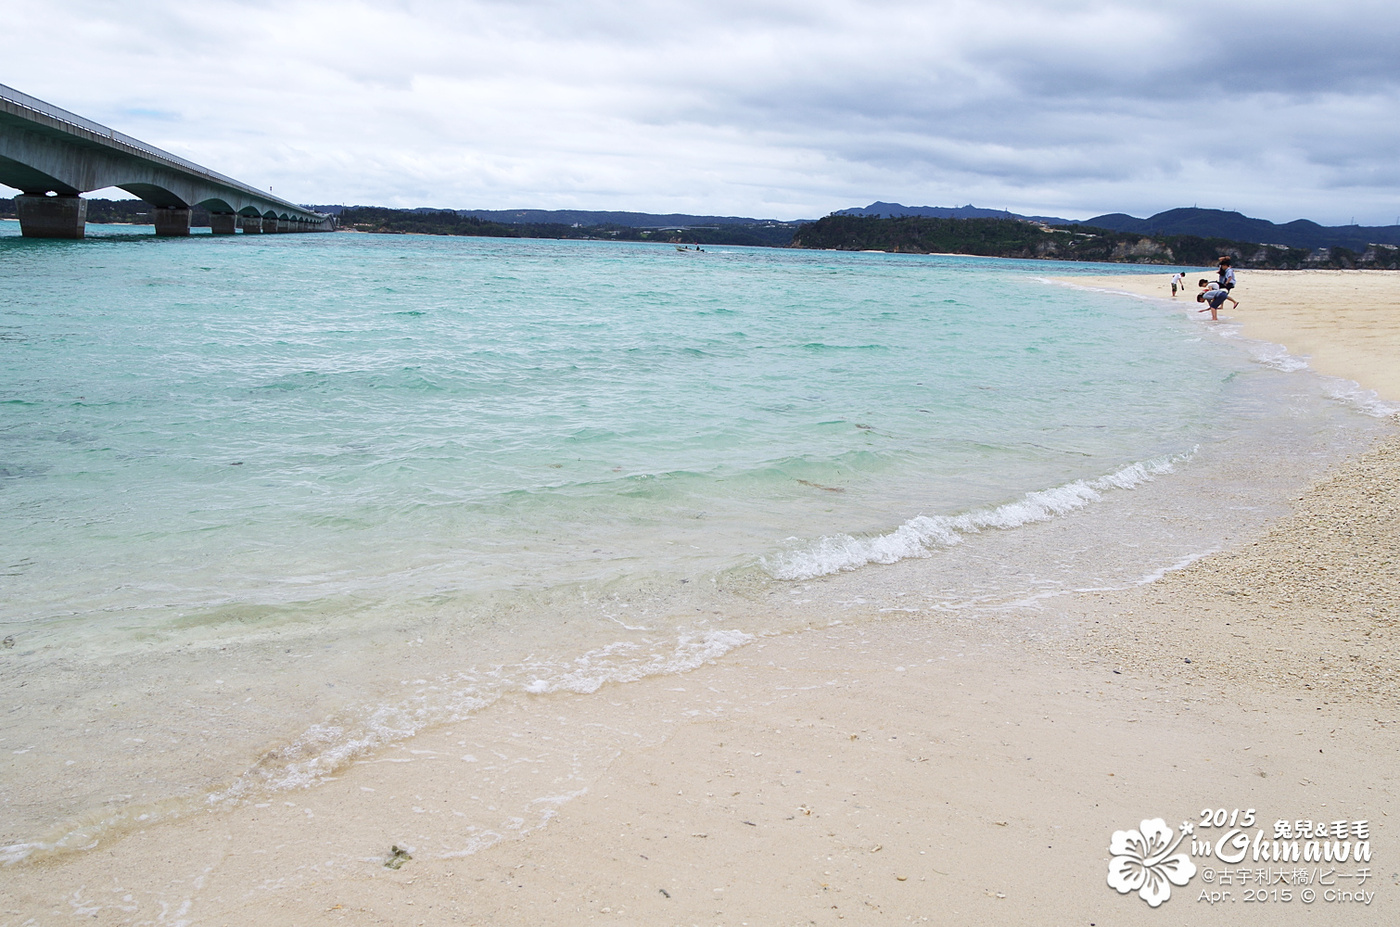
476	466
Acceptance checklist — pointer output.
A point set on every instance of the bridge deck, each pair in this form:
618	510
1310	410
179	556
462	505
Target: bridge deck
51	154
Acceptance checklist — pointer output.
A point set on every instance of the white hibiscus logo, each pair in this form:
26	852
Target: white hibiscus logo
1143	861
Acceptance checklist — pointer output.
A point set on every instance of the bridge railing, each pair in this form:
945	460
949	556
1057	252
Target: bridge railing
37	105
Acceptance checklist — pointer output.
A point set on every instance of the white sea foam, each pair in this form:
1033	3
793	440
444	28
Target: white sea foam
1367	401
14	852
1274	356
593	670
1153	576
1112	291
324	748
922	534
1340	389
545	809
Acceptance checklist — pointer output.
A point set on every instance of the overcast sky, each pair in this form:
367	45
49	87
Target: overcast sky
1278	109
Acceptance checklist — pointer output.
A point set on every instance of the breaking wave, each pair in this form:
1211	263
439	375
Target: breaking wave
919	536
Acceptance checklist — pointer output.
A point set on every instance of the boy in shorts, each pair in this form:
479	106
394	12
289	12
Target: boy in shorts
1214	298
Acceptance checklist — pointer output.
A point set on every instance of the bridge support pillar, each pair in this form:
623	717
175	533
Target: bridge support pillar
269	225
251	225
172	221
284	225
51	216
223	223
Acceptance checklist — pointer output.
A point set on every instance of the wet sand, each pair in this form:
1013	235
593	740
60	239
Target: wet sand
1343	321
898	768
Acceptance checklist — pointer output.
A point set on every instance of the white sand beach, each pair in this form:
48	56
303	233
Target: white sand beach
896	768
1342	321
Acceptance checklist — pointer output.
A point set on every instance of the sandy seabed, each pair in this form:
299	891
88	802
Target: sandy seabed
897	770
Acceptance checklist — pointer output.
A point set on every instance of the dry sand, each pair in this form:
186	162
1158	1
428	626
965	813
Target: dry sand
890	770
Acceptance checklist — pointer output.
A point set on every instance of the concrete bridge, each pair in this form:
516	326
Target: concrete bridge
52	155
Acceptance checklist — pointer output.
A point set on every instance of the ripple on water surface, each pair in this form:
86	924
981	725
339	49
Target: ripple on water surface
425	474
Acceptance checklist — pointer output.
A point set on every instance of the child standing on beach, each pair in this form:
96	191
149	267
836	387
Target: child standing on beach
1177	281
1227	274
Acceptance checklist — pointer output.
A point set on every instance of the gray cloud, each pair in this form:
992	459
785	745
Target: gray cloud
784	108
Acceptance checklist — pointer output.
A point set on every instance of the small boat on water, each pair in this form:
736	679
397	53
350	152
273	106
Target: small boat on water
690	249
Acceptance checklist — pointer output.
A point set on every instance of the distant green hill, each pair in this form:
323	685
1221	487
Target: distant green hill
896	210
455	222
1203	223
1013	238
587	217
1217	223
1184	236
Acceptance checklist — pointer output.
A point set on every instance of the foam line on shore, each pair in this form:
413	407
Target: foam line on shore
1341	389
324	749
1265	352
921	535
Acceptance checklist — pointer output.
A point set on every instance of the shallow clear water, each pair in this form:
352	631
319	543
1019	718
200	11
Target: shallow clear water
192	425
556	463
